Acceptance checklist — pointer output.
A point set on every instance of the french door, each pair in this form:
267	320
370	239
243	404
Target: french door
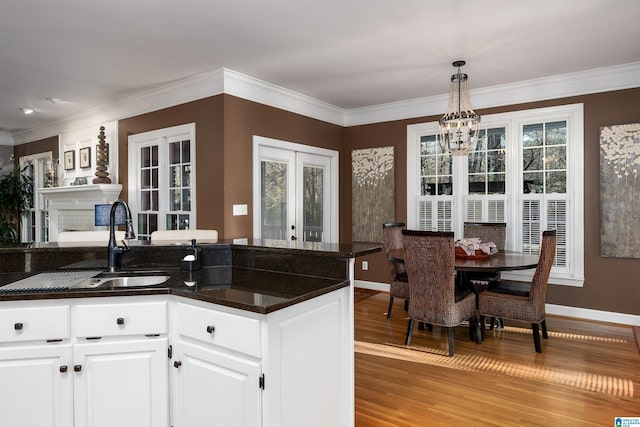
295	192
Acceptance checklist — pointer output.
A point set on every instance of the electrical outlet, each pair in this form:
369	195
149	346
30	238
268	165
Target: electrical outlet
365	265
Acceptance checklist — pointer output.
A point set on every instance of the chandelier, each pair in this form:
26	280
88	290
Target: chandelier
460	125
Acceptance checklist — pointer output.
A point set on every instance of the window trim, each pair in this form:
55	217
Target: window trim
513	122
161	137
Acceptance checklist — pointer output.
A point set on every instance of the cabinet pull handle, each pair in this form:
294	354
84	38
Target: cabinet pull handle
63	368
18	326
211	329
77	368
120	321
177	364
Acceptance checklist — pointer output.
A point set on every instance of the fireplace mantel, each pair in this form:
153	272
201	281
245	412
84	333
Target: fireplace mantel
75	205
72	196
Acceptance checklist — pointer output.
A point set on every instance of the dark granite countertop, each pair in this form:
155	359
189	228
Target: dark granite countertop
243	288
334	250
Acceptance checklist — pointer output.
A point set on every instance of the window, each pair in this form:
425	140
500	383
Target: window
162	179
526	170
42	171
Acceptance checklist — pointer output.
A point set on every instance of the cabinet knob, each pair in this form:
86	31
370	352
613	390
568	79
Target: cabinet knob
63	368
177	364
18	326
211	329
120	321
77	368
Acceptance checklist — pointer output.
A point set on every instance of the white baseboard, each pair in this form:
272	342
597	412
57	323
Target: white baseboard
560	310
374	286
589	314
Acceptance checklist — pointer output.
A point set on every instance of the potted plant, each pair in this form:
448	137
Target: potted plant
16	197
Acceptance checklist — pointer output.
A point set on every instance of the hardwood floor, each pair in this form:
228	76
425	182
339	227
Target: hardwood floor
587	374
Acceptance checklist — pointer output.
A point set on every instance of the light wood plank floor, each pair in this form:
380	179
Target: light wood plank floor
588	373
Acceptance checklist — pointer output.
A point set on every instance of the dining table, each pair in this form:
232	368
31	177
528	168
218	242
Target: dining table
500	261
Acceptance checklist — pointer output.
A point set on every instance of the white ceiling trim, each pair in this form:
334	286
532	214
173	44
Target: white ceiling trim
592	81
262	92
227	81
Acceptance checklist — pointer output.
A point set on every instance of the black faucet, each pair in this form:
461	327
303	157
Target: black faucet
113	249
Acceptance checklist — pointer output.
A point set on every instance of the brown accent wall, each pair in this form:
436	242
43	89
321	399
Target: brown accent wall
37	147
225	126
242	120
611	284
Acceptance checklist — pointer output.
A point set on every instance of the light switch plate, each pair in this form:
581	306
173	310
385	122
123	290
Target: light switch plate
239	210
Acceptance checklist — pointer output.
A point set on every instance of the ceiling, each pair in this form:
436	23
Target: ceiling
350	54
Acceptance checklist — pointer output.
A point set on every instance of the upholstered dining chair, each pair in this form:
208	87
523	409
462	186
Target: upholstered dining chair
430	263
399	286
521	300
495	232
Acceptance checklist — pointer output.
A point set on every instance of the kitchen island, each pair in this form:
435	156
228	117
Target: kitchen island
260	335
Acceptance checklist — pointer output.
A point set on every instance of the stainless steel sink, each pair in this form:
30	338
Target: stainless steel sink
121	279
132	281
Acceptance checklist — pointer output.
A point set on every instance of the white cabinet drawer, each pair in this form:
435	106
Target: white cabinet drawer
103	320
218	328
34	324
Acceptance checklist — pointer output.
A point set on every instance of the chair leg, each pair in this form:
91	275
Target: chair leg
481	329
536	337
407	340
390	307
544	329
451	333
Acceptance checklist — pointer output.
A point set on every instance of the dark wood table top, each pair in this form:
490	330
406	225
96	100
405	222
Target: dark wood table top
502	261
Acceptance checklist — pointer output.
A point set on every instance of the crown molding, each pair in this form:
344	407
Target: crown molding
186	90
252	89
224	80
561	86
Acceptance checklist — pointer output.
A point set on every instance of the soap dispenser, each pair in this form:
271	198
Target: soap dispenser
191	262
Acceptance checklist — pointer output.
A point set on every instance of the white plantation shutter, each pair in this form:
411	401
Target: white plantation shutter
496	210
425	214
484	209
434	214
557	220
474	211
531	227
445	212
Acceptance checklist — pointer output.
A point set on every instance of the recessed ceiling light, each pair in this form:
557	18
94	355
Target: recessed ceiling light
27	110
55	101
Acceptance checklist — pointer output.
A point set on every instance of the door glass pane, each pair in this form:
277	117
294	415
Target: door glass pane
274	200
313	203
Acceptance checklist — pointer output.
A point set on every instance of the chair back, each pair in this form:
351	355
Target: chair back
184	236
495	232
538	292
430	262
392	240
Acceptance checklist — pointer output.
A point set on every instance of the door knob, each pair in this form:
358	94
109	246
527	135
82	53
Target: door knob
120	321
177	364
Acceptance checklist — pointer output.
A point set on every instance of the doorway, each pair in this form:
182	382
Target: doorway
295	191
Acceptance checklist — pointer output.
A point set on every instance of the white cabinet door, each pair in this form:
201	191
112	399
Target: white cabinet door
121	383
36	386
309	364
213	388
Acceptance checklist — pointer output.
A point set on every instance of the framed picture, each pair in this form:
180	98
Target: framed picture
69	160
85	157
